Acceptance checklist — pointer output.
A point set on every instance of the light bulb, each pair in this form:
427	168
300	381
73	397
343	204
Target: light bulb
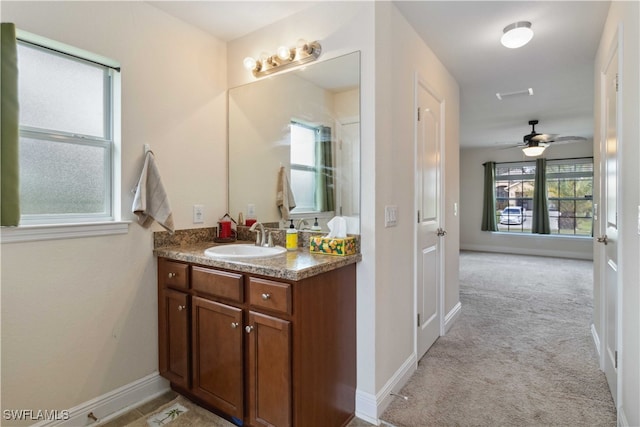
284	53
302	45
249	63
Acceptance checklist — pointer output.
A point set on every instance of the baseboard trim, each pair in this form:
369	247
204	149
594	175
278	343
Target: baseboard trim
527	251
622	419
113	404
451	317
370	407
596	339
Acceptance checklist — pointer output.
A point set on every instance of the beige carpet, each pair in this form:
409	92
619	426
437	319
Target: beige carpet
194	416
520	354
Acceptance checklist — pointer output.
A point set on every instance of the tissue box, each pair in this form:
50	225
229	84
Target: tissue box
332	246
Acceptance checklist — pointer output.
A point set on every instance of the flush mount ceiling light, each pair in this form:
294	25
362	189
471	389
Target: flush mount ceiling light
517	34
284	58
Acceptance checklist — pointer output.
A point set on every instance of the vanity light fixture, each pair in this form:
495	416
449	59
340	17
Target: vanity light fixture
517	34
284	58
534	150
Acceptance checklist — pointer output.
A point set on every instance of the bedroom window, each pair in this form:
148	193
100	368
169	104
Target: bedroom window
66	137
569	196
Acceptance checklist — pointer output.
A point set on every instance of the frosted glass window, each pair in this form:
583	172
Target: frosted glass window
59	178
60	93
66	142
303	185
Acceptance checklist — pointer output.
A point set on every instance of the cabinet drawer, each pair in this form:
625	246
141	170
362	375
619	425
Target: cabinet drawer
173	274
274	296
217	283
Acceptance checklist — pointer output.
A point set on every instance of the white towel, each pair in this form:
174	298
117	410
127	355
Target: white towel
150	201
284	195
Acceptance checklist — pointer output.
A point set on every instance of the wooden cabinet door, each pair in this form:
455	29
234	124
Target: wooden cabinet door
217	355
173	336
269	371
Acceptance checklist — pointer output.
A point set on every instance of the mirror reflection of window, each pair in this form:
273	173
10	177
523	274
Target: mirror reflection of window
311	160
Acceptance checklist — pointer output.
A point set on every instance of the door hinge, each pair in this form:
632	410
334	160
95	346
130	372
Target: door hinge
616	82
615	359
418	319
418	216
418	113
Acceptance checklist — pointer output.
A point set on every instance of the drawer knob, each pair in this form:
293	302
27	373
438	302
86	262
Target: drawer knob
234	324
181	307
266	296
248	329
172	275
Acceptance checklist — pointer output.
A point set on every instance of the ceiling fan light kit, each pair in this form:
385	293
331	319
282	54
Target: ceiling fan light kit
517	34
533	151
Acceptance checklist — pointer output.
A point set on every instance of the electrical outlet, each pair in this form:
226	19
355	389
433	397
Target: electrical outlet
198	214
390	216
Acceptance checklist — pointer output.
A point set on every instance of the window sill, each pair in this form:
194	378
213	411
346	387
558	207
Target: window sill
31	233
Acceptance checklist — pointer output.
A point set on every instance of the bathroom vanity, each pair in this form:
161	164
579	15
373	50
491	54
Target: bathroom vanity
263	342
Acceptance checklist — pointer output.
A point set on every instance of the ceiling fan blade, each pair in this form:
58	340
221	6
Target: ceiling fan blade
543	137
568	139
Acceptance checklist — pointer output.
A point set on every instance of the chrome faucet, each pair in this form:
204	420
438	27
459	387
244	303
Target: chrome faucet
300	222
261	235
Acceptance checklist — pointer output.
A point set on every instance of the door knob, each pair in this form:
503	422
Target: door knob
234	324
440	232
603	239
181	307
266	296
248	329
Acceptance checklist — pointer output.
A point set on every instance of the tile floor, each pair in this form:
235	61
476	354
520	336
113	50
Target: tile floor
151	406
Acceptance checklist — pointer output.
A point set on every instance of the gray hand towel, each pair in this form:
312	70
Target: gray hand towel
151	202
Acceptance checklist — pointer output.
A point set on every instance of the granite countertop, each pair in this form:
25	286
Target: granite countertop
292	265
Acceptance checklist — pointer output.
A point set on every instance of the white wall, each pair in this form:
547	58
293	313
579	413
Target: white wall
395	185
79	316
471	181
624	17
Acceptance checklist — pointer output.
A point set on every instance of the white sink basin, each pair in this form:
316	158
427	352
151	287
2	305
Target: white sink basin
242	250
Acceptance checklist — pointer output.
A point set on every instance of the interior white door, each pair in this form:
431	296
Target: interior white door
428	149
610	223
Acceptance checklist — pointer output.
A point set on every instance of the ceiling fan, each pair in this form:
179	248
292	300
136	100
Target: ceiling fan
534	143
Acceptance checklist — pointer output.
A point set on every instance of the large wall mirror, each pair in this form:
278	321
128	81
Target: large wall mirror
304	124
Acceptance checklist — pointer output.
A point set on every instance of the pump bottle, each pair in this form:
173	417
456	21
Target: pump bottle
292	238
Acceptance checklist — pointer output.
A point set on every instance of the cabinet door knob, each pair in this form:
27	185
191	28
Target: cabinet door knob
172	275
181	307
266	296
234	325
248	329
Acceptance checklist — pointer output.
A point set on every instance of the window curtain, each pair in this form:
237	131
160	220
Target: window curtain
9	167
489	198
540	220
325	199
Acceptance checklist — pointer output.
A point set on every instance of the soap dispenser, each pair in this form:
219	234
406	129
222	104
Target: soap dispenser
315	227
292	238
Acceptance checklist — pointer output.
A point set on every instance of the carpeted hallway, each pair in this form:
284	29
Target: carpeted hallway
520	353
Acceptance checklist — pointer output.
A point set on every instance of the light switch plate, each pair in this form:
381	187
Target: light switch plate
390	216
